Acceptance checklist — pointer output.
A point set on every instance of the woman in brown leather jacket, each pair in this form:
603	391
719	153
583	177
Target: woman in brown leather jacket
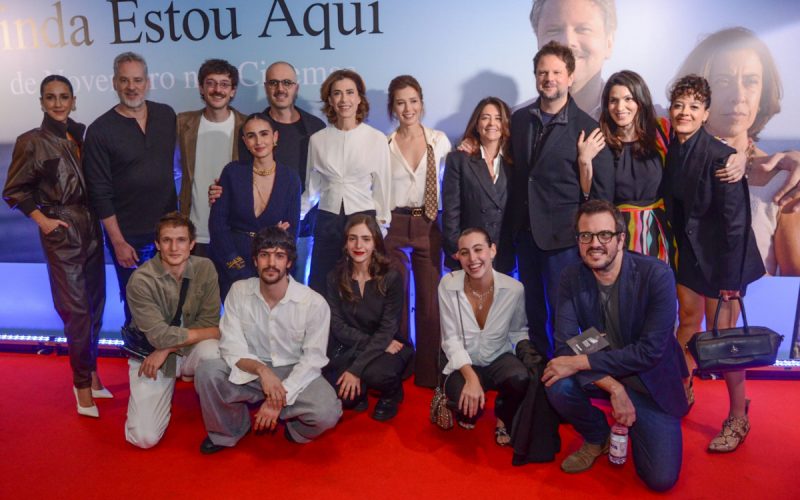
45	181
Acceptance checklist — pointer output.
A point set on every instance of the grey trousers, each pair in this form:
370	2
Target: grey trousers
227	417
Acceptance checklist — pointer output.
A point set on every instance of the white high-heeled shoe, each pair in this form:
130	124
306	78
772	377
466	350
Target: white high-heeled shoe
86	411
103	393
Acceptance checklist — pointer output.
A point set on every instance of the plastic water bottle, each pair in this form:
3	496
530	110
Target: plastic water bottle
618	451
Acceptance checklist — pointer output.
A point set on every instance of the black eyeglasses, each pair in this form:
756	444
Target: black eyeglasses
586	237
285	83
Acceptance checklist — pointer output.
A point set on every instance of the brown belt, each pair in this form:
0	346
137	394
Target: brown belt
412	211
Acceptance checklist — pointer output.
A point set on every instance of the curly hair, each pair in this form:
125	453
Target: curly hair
691	85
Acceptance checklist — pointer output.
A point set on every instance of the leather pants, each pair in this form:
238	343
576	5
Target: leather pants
76	269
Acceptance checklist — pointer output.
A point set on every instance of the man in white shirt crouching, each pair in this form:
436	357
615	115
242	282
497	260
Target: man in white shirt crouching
274	334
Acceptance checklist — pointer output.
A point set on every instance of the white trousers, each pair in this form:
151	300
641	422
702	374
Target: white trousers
150	402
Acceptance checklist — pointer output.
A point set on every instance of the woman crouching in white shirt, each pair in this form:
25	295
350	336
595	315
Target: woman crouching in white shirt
417	160
483	318
348	171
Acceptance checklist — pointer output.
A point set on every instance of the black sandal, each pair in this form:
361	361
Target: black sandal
501	436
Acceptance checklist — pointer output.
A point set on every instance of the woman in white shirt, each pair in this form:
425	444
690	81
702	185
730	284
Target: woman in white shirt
475	186
483	320
417	164
348	171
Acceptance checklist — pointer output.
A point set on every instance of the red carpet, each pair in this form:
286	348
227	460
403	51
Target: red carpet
50	452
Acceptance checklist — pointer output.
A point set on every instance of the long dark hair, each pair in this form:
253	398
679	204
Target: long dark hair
644	123
471	132
379	263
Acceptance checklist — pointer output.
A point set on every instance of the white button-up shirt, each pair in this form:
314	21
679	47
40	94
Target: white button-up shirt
294	332
349	167
408	185
497	164
506	323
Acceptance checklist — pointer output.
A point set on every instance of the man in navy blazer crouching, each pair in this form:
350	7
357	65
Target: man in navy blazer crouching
631	299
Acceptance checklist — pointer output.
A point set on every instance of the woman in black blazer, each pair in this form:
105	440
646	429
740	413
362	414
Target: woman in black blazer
717	252
367	349
475	186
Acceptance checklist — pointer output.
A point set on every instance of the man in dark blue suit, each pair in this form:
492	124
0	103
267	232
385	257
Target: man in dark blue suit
631	299
545	190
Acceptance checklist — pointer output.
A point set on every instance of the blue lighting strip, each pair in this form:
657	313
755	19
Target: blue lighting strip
58	340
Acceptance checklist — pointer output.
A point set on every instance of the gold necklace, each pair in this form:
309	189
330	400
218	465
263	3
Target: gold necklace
479	296
263	172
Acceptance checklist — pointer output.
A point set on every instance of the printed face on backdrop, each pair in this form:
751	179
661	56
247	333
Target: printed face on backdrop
174	245
344	99
552	79
281	86
217	91
622	106
57	101
407	106
687	114
360	245
578	24
736	79
475	255
596	254
490	124
259	138
273	265
131	84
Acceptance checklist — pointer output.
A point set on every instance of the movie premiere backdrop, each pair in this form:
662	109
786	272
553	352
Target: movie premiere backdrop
459	50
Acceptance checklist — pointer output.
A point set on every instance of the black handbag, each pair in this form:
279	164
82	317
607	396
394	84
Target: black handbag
135	343
733	349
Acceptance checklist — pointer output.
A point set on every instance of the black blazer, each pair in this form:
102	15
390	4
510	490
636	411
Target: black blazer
545	190
647	319
716	220
471	199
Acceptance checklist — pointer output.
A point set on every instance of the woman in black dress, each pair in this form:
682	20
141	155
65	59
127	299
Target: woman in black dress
718	255
367	349
45	182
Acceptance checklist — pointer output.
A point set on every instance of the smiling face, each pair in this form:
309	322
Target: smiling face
687	114
174	245
596	255
407	106
360	244
622	107
736	79
259	138
344	100
272	264
552	79
280	93
475	255
57	100
131	84
490	124
579	25
217	91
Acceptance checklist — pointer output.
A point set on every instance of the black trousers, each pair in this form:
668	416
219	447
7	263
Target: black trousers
506	374
145	247
383	374
328	245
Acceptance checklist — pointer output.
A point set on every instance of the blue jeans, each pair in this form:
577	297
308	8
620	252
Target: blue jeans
540	272
656	439
145	247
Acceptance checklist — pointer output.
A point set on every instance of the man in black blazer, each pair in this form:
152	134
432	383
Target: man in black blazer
631	299
545	190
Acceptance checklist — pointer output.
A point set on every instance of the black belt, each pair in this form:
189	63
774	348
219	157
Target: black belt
412	211
240	231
